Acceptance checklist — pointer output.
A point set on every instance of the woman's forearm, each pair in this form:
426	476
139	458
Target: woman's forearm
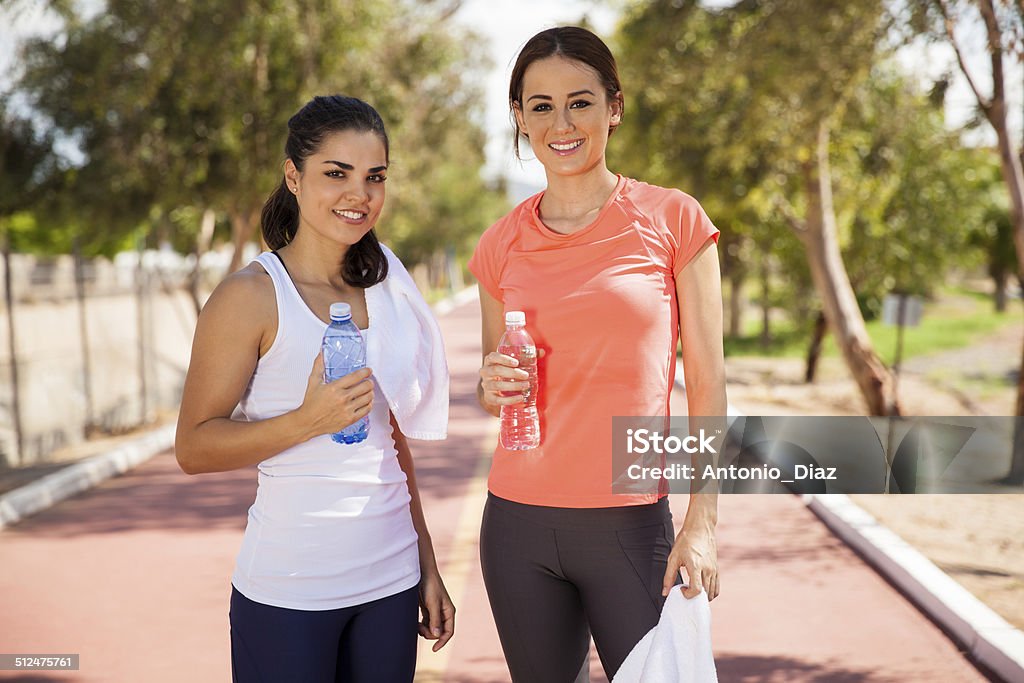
707	403
222	444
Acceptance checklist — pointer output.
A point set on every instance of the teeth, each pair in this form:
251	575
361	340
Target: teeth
354	215
566	147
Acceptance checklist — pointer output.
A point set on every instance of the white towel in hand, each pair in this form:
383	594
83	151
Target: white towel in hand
406	353
677	649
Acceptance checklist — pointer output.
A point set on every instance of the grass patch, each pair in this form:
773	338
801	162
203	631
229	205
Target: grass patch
956	320
938	331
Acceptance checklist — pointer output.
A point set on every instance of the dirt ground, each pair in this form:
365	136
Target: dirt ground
977	539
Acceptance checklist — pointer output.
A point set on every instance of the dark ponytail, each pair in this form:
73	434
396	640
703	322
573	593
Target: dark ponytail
280	217
365	263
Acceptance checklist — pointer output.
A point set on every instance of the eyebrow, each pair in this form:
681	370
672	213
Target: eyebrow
349	167
572	94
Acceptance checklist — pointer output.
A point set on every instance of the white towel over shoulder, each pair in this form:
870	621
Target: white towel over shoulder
406	352
677	649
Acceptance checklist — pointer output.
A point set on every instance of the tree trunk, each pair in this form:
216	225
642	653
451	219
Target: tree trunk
455	280
1015	477
1013	176
83	326
839	304
736	302
201	245
1000	294
19	437
140	327
766	308
814	352
242	228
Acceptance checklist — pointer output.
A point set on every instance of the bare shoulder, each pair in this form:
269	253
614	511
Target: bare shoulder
242	307
249	289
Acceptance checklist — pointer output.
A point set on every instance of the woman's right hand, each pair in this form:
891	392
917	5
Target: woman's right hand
502	383
328	408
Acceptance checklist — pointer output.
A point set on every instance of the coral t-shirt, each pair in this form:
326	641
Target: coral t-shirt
601	302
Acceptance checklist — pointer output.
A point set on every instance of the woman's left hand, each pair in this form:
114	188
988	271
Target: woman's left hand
438	611
697	551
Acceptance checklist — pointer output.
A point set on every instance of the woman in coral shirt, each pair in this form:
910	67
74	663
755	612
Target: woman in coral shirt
612	273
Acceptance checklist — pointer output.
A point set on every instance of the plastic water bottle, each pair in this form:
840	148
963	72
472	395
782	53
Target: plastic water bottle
520	426
344	352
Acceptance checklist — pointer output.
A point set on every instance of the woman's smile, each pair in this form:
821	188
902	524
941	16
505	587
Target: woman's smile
351	216
564	149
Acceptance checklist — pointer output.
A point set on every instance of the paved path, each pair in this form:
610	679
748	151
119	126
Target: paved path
134	576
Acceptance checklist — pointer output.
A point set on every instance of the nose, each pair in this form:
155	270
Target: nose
356	191
563	121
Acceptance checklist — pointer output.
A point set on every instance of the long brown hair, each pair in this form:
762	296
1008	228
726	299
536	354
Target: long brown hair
365	264
571	42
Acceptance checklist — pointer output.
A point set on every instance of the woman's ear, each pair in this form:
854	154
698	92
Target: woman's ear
517	111
617	106
291	176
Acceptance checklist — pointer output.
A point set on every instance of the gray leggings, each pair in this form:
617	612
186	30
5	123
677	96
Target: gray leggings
555	576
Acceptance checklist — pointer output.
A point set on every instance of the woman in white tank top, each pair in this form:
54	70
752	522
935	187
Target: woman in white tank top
336	556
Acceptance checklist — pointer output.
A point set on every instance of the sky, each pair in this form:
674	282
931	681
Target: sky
507	24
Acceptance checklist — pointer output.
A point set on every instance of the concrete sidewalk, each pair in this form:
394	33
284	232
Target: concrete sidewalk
134	575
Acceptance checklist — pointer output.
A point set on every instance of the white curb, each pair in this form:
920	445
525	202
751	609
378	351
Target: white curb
53	488
989	640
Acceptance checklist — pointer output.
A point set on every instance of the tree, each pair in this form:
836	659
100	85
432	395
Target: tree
777	114
430	93
909	194
776	79
803	69
186	104
1004	31
995	236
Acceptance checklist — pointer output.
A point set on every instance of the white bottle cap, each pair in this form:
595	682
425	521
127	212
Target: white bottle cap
341	311
515	318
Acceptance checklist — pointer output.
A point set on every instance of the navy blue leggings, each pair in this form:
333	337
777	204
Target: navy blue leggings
372	643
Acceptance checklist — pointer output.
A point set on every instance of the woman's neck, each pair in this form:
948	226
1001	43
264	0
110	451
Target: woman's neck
315	262
573	202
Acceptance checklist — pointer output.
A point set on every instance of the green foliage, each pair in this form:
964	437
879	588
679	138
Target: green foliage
726	104
437	197
993	233
185	104
789	340
953	321
907	192
25	161
941	329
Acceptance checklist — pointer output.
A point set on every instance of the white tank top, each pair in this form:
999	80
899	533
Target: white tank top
331	525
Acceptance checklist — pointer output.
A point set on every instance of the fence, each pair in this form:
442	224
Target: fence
107	356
